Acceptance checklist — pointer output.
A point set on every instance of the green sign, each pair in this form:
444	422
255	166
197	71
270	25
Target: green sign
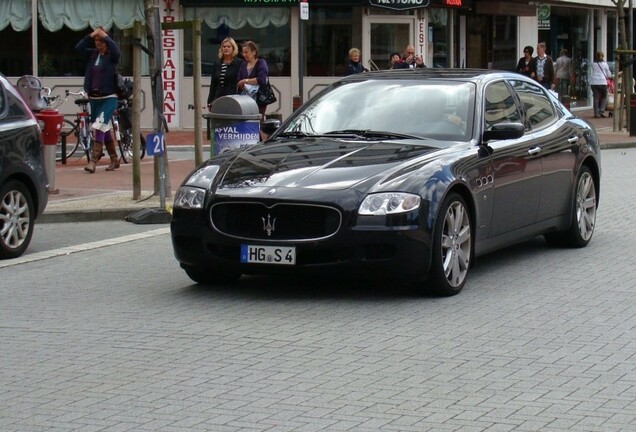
543	17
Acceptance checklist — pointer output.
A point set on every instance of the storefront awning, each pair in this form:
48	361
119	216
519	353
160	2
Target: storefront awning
272	3
390	4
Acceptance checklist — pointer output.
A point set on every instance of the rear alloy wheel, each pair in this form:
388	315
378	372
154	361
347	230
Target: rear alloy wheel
584	214
201	276
452	247
16	219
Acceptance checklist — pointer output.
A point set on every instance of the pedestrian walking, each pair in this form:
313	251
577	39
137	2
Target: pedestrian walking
564	73
100	83
600	74
545	67
526	64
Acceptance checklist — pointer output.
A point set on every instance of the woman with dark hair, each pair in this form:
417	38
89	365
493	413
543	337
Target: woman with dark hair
224	76
100	83
252	73
526	65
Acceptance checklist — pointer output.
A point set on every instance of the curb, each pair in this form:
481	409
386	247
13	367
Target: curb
93	215
618	145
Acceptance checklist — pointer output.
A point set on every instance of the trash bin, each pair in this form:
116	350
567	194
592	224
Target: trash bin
51	124
52	120
30	88
233	122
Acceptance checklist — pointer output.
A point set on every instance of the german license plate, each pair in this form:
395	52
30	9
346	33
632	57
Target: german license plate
285	255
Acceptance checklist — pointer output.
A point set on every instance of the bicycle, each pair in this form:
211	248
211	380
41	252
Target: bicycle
122	128
76	133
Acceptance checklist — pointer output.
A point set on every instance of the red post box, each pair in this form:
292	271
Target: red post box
52	125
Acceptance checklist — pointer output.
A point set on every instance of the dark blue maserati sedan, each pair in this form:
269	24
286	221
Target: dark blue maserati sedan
409	174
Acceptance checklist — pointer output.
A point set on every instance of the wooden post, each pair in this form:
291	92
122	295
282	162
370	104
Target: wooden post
136	112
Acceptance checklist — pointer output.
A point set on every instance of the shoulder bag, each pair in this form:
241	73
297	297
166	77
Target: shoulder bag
265	94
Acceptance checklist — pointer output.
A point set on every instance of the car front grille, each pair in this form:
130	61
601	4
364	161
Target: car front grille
278	222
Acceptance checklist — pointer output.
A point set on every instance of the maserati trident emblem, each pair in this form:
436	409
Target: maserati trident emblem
269	225
272	191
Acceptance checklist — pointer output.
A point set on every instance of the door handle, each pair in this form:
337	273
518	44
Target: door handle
573	139
534	151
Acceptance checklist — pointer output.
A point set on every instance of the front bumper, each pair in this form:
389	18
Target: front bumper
389	252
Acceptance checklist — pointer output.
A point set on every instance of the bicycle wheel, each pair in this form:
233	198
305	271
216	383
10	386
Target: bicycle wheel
125	146
69	133
142	146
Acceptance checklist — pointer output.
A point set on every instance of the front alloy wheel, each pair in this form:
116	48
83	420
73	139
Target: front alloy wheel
452	247
16	219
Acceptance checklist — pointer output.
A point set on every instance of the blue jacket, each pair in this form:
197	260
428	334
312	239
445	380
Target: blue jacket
108	65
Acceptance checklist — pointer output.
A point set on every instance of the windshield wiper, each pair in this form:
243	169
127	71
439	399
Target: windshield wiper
368	133
293	134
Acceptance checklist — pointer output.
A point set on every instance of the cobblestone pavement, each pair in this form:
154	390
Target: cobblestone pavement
540	339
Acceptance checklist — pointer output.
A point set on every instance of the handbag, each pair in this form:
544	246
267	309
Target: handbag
265	95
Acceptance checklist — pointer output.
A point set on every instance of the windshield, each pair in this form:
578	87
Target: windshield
441	110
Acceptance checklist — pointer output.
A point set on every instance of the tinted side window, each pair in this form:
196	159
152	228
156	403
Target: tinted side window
539	109
500	105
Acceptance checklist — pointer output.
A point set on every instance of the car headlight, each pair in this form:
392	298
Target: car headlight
388	203
203	176
188	197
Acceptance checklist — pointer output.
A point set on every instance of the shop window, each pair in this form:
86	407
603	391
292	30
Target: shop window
268	27
15	57
56	52
329	38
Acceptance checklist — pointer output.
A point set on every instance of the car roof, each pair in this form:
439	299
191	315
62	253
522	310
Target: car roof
433	73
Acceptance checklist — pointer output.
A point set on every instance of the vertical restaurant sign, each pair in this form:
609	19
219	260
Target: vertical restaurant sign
543	17
171	69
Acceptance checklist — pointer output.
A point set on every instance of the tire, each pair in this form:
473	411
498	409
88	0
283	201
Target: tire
452	247
583	216
69	132
201	276
125	146
16	219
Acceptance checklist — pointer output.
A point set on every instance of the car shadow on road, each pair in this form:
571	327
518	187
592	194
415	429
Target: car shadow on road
310	288
305	288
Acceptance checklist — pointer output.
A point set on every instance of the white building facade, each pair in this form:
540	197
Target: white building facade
303	55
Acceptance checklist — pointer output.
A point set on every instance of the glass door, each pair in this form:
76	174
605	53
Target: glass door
384	35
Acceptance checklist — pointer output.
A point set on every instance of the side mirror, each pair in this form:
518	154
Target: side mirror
503	131
270	126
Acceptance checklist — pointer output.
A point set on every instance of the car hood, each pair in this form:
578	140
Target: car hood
319	163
